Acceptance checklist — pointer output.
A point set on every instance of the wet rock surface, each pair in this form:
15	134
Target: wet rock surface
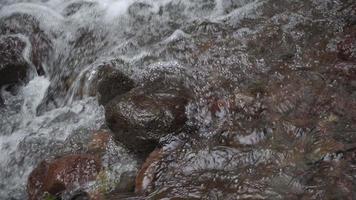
109	82
13	66
212	99
276	135
347	46
62	174
27	25
83	175
147	113
146	174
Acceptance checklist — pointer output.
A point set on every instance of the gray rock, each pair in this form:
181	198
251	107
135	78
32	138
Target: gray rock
25	24
13	67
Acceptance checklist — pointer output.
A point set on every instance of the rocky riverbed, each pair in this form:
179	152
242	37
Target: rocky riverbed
177	99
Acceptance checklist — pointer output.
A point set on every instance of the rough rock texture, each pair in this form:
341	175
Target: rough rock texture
347	46
62	174
83	175
13	66
282	133
73	8
344	73
27	25
147	113
147	172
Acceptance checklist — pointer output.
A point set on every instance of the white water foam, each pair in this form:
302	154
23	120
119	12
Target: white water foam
33	92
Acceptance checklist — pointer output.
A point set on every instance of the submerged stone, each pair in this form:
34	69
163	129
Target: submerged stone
142	116
91	173
65	173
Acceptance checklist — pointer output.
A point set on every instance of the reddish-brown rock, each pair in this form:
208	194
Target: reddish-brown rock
147	172
65	173
99	141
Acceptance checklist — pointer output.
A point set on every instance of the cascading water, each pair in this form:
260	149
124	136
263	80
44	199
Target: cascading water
244	60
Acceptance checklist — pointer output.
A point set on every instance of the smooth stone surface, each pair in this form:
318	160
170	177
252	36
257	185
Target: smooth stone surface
111	82
147	113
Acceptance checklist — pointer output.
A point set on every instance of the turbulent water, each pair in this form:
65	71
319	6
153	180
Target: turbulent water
250	63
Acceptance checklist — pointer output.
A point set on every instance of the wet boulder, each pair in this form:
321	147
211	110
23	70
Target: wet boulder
110	83
13	66
142	116
97	168
62	174
29	26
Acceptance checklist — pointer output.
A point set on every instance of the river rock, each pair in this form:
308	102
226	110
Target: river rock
110	83
142	116
62	174
146	174
27	25
13	66
97	168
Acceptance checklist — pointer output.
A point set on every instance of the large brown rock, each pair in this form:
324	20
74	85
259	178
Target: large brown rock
13	66
142	116
62	174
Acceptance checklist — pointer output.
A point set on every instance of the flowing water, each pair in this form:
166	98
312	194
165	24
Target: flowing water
260	71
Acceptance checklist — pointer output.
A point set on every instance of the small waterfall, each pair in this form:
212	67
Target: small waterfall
33	93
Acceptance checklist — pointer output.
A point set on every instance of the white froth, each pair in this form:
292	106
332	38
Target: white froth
33	92
115	8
